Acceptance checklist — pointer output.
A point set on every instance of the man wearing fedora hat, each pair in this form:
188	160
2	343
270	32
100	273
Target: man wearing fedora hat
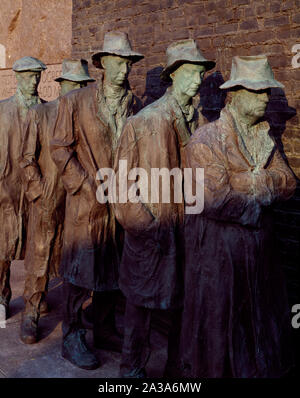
152	261
46	195
13	112
85	138
236	317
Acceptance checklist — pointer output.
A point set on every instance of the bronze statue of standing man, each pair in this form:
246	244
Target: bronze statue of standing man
88	126
13	112
46	196
152	263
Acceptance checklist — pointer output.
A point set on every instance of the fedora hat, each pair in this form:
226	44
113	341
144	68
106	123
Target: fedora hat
181	52
28	64
252	72
116	43
75	70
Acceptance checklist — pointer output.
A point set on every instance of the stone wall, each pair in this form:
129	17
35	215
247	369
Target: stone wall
38	28
222	28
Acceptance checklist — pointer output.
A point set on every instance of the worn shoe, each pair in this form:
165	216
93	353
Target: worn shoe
75	350
29	328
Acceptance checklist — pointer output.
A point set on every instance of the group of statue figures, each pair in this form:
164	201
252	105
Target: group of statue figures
215	273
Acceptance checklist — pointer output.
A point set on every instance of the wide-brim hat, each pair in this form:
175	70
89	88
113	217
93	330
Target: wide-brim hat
182	52
252	72
75	70
116	43
28	64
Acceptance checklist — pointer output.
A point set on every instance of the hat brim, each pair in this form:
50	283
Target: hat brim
134	57
29	70
74	78
252	85
165	74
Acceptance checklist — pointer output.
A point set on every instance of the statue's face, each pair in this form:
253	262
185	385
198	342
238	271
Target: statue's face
188	78
28	82
251	104
116	69
67	85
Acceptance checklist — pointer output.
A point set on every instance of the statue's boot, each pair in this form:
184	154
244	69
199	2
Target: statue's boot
75	350
29	328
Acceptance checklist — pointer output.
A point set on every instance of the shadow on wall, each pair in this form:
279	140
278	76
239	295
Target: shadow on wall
277	114
155	87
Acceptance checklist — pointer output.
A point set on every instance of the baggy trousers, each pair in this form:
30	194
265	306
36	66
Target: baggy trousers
5	290
44	244
136	346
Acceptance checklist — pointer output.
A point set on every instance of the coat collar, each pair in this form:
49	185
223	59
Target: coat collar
260	133
183	128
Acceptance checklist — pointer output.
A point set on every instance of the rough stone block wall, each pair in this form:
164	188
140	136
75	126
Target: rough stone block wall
39	28
222	28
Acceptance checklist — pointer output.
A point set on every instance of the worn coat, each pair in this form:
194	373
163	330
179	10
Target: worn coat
44	191
236	317
12	201
83	143
152	261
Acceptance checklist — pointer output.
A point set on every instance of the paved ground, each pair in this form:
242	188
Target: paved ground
43	360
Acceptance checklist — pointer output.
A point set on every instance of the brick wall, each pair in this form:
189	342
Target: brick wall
222	28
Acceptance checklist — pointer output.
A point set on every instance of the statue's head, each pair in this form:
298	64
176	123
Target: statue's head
251	104
116	58
185	66
74	75
28	74
187	78
116	69
250	84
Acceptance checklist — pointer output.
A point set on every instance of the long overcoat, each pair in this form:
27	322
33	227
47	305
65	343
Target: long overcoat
236	316
82	144
43	189
12	200
152	262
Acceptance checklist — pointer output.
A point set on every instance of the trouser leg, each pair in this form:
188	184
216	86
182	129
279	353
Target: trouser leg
34	292
173	367
41	235
136	346
73	299
105	332
5	290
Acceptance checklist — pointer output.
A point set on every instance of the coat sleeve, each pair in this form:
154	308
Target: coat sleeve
63	148
223	200
134	217
284	183
31	174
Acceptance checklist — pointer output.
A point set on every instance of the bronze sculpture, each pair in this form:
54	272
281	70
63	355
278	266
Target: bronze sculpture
46	196
13	112
152	261
236	317
87	128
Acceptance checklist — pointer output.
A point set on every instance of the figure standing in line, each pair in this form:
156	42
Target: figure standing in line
151	270
88	126
236	317
46	196
13	112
